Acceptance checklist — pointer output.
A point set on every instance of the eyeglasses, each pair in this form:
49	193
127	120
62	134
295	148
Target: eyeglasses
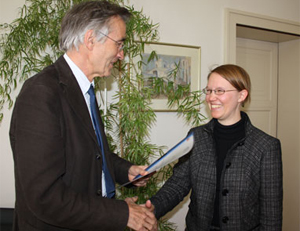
216	91
120	45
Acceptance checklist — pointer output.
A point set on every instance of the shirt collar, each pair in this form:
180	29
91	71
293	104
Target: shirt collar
81	78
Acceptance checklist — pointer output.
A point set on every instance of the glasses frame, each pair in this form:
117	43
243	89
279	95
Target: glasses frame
119	44
216	91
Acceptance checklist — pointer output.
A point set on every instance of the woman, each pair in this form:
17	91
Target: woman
234	171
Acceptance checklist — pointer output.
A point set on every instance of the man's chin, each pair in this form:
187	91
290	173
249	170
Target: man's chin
108	71
106	74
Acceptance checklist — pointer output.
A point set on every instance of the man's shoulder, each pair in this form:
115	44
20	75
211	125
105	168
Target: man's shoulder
50	74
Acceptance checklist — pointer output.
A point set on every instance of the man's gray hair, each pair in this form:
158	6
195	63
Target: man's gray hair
92	15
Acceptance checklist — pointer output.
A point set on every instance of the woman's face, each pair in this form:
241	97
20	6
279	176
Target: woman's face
226	107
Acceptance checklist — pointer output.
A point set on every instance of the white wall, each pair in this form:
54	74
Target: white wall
188	22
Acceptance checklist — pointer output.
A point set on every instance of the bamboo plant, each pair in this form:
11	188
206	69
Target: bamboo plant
30	43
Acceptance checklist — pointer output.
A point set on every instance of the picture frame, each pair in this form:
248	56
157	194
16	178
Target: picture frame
188	56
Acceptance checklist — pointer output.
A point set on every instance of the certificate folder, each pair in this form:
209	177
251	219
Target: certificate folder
179	150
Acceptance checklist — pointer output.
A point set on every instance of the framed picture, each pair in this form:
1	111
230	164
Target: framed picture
186	59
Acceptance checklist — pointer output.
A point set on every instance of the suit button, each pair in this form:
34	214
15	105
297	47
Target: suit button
225	192
225	219
98	156
99	192
228	165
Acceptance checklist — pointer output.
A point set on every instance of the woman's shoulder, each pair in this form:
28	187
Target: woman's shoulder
258	136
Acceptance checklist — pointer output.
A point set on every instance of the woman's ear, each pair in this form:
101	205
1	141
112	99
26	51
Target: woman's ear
243	95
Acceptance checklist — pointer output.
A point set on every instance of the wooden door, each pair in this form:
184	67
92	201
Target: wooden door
259	59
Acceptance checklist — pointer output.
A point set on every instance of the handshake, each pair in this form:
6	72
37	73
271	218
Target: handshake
141	217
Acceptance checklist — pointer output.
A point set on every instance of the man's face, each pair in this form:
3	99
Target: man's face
104	55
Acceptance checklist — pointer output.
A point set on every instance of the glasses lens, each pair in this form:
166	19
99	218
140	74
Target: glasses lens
121	46
219	91
206	91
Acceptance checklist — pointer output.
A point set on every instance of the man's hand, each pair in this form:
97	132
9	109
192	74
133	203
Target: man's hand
140	217
135	170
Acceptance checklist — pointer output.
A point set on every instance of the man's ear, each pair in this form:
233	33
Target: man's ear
89	39
243	95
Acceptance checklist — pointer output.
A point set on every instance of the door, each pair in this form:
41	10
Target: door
260	60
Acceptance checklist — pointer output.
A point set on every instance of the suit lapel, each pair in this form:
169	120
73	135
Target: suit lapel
73	95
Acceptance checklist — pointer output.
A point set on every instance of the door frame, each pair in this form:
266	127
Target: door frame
234	18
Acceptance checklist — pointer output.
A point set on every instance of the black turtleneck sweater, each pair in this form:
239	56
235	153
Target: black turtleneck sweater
225	137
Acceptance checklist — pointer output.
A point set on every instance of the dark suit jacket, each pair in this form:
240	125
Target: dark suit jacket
251	183
56	155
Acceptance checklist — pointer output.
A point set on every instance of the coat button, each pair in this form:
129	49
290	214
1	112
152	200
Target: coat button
228	165
98	156
99	192
225	219
225	192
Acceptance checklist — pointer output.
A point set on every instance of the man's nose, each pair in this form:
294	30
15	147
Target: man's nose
121	54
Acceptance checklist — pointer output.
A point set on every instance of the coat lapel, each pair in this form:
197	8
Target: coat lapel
73	95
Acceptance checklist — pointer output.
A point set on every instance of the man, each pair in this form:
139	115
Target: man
60	149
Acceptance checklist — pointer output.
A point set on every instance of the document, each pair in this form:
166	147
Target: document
179	150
